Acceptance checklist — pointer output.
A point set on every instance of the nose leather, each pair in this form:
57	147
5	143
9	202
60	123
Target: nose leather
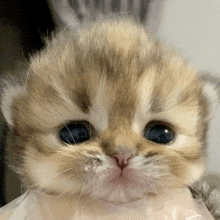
122	159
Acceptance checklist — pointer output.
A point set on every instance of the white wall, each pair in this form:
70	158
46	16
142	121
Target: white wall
193	28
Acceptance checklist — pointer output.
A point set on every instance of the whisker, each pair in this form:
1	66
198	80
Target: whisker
68	142
38	189
25	84
94	184
64	192
69	133
86	159
80	195
22	185
71	176
66	154
73	156
65	171
81	191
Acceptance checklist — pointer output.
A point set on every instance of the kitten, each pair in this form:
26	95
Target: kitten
108	113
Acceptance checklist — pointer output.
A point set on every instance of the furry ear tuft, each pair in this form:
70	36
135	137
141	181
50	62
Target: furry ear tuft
10	91
211	90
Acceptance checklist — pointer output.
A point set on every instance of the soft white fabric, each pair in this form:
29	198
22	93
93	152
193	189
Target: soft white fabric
173	205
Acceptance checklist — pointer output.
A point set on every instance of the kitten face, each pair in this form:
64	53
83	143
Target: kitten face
114	88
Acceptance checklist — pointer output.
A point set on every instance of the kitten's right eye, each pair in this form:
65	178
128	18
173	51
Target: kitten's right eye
75	132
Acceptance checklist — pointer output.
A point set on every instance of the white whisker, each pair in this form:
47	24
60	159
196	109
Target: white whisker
65	171
94	184
73	156
22	185
25	84
70	133
82	188
78	205
64	192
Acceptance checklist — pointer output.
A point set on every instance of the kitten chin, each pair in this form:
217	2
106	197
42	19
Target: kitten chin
109	113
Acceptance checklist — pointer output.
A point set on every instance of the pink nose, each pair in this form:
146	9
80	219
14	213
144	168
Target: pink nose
122	159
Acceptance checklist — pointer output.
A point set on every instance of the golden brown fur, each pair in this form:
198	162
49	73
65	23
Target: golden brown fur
118	78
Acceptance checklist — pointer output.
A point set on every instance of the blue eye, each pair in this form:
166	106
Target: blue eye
159	133
75	133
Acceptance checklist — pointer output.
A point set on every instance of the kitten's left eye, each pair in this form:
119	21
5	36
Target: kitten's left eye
75	132
159	133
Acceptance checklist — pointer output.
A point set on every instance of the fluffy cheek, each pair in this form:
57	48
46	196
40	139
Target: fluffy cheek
186	170
64	171
88	171
186	158
96	175
46	174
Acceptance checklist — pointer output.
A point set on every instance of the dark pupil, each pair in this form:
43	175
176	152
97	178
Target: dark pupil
74	133
160	134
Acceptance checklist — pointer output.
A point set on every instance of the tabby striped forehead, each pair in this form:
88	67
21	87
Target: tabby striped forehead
135	69
117	102
122	101
110	72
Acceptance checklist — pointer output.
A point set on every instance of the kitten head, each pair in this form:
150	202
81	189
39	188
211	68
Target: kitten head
109	113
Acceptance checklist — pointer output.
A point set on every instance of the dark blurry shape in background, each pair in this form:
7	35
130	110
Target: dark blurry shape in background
22	25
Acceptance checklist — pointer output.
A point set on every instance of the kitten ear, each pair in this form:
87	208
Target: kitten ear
211	90
9	91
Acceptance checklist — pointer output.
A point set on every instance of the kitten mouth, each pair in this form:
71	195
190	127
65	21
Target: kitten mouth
122	177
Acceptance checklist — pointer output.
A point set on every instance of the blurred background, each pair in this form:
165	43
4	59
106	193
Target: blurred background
191	27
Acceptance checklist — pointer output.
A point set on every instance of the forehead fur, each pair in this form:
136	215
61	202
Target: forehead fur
114	66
